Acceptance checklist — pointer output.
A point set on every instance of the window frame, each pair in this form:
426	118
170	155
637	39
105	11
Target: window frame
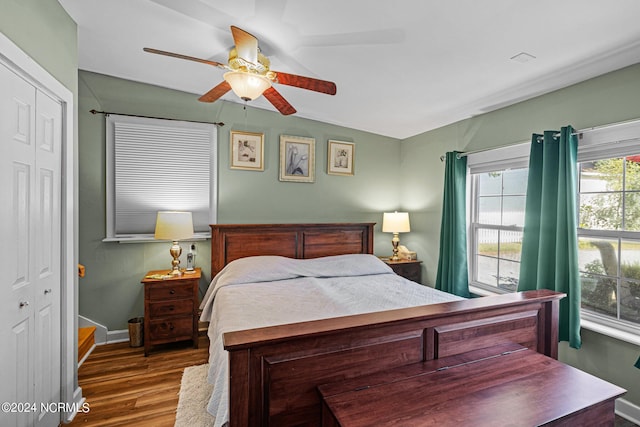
111	120
492	160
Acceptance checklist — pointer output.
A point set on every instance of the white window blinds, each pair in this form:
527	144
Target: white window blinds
154	165
502	158
616	140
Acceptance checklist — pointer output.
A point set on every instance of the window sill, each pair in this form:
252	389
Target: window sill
585	322
481	292
149	238
619	334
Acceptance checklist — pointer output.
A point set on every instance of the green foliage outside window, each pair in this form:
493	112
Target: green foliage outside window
603	210
612	203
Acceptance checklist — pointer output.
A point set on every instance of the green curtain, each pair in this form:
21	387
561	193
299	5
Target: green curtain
550	243
453	276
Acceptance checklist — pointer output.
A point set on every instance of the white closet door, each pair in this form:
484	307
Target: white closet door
46	255
30	173
17	165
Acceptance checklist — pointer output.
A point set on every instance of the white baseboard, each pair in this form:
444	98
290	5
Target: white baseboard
102	334
628	410
117	336
86	355
77	405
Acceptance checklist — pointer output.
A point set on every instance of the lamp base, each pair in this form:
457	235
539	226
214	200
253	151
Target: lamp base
395	241
175	252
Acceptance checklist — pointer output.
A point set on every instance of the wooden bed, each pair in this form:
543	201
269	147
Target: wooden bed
275	371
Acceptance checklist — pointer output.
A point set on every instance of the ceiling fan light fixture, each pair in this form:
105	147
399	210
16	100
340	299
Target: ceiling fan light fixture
247	86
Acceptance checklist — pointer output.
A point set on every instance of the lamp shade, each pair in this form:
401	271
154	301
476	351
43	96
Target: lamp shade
246	85
173	225
395	222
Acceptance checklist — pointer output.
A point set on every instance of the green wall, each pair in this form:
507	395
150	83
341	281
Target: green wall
610	98
46	33
111	293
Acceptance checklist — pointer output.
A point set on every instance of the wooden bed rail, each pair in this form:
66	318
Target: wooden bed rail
275	371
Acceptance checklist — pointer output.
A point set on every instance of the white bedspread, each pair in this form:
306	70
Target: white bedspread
271	290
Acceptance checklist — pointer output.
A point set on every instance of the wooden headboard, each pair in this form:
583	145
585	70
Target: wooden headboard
233	241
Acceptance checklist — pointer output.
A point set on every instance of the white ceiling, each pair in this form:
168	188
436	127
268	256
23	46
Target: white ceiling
401	67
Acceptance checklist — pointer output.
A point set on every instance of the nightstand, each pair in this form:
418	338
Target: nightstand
170	308
409	269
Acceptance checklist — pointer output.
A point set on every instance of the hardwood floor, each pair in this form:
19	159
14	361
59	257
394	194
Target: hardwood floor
124	388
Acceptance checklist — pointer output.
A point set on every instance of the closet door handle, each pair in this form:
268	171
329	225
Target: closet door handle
47	291
23	304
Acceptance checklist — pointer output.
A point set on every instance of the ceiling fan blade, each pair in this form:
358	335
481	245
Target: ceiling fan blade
281	104
215	93
246	44
180	56
308	83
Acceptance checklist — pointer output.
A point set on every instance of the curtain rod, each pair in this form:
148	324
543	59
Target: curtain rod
578	132
106	113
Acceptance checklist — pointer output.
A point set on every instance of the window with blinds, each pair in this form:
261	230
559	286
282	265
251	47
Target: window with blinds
154	165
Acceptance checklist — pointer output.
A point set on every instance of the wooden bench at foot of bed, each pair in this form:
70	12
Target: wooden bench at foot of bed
505	385
275	371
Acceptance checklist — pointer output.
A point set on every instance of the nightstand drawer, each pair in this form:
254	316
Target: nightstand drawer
174	289
171	308
409	269
181	327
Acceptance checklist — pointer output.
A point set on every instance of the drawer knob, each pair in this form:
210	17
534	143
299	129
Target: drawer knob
23	304
171	308
172	291
171	327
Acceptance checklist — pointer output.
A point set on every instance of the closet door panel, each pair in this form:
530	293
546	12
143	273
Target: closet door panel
46	254
17	173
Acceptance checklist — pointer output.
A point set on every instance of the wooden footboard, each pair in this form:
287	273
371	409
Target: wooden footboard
275	371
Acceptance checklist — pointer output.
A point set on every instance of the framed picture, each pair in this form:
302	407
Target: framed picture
297	158
247	150
340	158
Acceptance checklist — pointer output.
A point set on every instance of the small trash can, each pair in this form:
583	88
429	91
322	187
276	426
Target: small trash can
136	332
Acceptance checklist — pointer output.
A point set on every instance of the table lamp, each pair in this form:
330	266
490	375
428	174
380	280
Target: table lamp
174	226
395	222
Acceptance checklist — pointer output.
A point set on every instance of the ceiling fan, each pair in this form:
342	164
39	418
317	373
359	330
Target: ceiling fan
249	76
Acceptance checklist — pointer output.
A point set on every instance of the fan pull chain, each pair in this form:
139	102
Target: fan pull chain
245	115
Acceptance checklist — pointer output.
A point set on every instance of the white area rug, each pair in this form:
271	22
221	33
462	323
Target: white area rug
194	396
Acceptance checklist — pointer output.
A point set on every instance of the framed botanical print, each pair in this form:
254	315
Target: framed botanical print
297	159
340	158
247	150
